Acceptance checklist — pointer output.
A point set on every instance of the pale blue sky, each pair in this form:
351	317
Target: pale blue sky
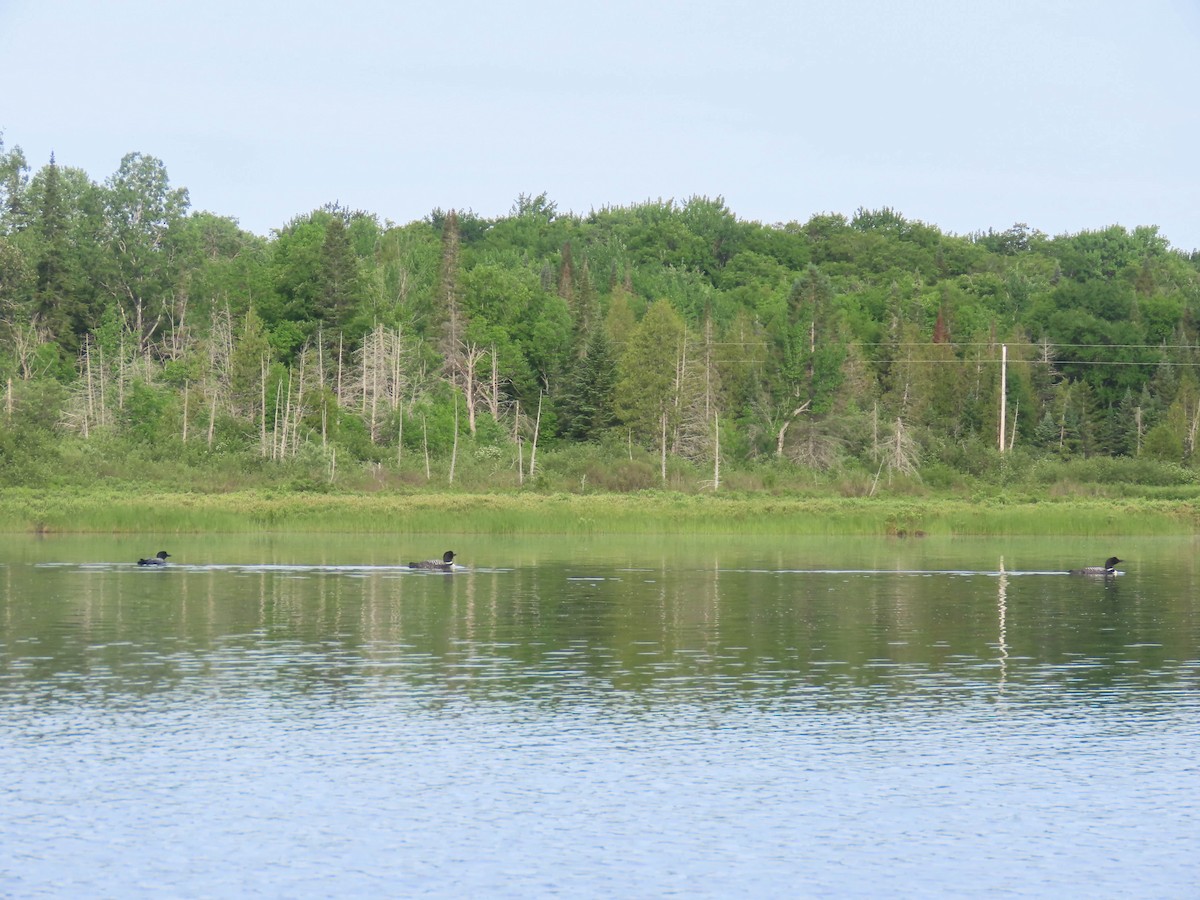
1064	114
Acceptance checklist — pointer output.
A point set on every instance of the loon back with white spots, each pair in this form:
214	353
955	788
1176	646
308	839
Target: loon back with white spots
1109	568
445	564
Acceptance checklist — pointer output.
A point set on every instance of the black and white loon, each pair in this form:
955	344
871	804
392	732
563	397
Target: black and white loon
1109	568
445	564
159	559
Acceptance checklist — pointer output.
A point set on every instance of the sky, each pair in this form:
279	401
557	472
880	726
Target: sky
1064	115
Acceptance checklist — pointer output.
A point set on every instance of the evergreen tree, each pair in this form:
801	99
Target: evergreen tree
248	362
338	283
790	333
14	177
648	373
566	276
619	322
587	304
16	283
54	305
585	406
449	296
815	351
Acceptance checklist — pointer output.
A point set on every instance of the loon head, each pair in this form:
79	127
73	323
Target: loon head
448	557
1111	563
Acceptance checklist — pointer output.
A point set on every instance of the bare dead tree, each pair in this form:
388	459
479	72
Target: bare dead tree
537	425
91	399
788	419
384	361
1193	426
25	339
218	380
299	409
177	341
902	451
493	396
276	422
341	400
468	371
262	419
516	440
694	411
425	442
815	445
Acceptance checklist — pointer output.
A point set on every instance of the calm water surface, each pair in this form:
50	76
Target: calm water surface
305	717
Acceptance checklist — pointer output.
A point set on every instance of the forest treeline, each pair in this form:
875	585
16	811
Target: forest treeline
672	340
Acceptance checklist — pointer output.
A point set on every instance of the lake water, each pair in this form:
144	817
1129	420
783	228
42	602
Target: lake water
305	717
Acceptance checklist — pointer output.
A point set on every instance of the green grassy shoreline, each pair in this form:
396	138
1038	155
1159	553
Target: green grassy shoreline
110	511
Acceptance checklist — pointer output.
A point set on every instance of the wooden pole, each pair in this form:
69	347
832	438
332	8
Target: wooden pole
663	446
717	453
454	449
520	446
1003	390
425	443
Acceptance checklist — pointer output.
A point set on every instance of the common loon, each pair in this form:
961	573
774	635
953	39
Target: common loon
445	564
1109	568
158	559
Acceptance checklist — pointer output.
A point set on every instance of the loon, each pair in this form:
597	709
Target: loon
445	564
1109	568
159	559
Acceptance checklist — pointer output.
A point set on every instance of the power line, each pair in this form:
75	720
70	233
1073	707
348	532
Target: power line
1055	362
1039	345
955	345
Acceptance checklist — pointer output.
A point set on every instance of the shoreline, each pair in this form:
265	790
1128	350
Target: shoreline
71	511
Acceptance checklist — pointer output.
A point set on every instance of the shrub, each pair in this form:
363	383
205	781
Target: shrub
1162	443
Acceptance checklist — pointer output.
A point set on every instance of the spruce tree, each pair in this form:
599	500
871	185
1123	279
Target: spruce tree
585	407
337	275
449	298
52	301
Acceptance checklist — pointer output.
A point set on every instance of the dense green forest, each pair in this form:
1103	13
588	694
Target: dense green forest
665	343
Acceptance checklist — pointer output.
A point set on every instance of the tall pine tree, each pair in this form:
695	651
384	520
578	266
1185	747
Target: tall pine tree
53	302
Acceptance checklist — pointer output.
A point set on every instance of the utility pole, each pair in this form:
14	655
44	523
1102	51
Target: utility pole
1003	389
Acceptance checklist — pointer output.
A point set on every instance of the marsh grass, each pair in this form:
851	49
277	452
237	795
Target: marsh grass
112	511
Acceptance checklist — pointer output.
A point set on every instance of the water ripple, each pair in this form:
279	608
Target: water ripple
737	731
